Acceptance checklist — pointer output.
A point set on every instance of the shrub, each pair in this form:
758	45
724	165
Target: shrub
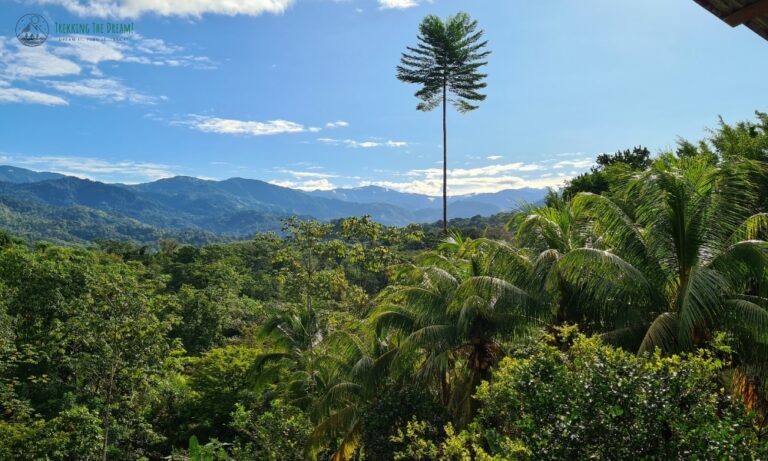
596	401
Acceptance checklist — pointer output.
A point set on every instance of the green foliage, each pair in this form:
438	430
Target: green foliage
353	340
639	158
76	433
446	322
391	410
35	220
219	380
447	58
598	180
276	433
597	401
211	451
466	445
418	445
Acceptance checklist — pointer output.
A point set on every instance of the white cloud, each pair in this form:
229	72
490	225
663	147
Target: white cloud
135	50
397	4
241	127
104	89
491	170
308	174
495	157
195	8
313	184
314	129
463	186
581	163
59	60
92	51
17	95
362	144
96	169
337	124
24	63
550	172
462	181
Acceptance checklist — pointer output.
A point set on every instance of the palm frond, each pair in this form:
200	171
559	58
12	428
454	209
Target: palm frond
748	316
699	302
742	260
618	232
339	425
662	334
753	228
609	286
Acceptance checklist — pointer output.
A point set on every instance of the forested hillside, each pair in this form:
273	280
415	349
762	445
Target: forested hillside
624	319
65	209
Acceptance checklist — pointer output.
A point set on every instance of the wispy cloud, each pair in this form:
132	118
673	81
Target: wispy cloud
337	124
241	127
94	168
487	179
397	4
308	174
308	180
579	163
24	63
104	89
56	64
363	144
313	184
18	95
196	8
136	49
495	157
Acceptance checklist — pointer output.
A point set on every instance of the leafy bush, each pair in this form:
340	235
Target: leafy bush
395	407
278	433
219	380
595	401
75	434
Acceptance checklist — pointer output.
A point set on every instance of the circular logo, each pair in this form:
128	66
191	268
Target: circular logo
32	29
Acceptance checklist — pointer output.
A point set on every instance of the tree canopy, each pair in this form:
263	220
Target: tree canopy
624	323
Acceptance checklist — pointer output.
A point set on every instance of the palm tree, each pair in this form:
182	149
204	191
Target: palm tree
446	326
446	61
547	234
294	337
360	371
672	257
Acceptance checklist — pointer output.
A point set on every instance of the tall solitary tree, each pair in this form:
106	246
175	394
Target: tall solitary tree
446	62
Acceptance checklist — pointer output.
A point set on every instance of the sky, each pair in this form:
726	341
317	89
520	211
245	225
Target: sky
303	93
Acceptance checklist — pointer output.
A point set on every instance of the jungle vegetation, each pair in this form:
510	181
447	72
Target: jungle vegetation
623	319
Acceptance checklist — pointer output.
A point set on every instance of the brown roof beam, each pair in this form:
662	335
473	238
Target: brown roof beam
749	12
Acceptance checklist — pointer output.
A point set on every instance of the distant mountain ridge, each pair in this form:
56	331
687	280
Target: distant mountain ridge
234	207
18	175
459	206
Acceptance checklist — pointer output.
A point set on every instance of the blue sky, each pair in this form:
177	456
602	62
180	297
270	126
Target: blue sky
303	93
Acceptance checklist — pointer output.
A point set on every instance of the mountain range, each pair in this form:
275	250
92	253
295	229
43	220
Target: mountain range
60	208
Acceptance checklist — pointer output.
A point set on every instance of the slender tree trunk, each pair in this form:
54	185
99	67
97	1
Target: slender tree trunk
105	442
310	271
107	422
445	162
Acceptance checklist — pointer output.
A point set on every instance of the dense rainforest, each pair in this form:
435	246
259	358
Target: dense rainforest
624	319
